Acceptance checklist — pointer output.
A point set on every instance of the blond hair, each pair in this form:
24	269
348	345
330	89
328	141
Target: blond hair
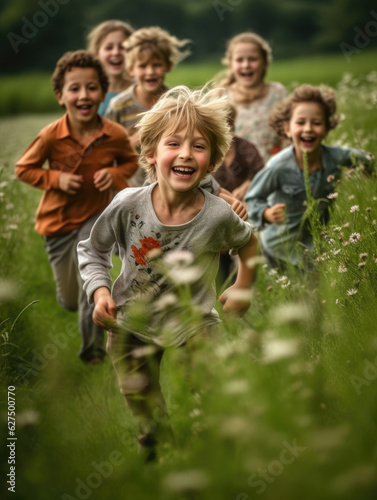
323	95
181	108
98	33
153	41
246	37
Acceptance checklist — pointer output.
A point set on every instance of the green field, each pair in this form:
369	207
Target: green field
32	93
286	402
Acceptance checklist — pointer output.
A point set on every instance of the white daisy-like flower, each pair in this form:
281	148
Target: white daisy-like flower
188	480
278	349
186	275
178	258
342	268
290	313
335	252
240	386
354	208
352	291
332	196
330	178
351	197
354	237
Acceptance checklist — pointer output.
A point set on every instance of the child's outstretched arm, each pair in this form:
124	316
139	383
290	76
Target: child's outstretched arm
233	301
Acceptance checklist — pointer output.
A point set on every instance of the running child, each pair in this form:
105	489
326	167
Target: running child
87	157
183	137
277	197
106	42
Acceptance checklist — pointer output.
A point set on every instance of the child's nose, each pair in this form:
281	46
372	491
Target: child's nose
83	93
185	152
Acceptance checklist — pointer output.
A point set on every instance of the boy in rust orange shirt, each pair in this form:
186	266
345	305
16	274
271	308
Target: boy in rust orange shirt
88	159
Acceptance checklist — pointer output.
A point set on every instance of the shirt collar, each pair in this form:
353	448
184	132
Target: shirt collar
63	128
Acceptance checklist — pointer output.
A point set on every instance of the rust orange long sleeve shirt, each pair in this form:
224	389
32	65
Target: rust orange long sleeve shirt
58	211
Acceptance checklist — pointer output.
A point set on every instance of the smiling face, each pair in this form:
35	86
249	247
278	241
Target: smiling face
81	95
306	128
181	160
247	64
111	53
150	74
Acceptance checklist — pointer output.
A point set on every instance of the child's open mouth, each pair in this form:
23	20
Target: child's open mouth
183	171
307	141
116	64
84	108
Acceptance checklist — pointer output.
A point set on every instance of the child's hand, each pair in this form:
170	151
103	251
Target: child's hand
275	214
235	300
103	179
105	310
70	183
240	208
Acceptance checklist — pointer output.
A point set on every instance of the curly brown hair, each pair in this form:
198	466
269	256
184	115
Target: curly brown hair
322	94
77	59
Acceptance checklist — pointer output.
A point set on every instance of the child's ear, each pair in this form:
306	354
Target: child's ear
286	130
150	159
58	95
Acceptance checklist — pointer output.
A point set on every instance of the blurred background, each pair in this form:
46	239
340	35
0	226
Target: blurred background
36	32
312	41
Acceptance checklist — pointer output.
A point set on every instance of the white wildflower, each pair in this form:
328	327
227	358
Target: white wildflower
342	268
354	237
330	178
290	313
178	258
354	208
274	350
352	291
335	252
189	480
236	387
165	301
351	197
332	196
185	276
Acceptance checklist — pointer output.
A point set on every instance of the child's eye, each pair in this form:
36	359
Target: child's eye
199	146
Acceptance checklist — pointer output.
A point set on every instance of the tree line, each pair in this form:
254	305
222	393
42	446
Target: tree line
36	32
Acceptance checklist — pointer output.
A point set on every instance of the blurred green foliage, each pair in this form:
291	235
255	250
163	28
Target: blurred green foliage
35	33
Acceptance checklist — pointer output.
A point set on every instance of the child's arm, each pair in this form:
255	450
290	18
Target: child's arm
29	166
230	298
264	184
239	207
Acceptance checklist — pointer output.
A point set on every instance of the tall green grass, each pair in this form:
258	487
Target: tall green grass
286	397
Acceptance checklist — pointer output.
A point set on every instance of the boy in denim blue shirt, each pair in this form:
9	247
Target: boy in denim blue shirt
277	198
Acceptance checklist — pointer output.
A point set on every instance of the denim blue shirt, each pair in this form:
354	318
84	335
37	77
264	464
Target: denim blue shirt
282	181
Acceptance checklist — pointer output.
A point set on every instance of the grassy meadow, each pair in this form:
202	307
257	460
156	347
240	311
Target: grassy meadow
286	402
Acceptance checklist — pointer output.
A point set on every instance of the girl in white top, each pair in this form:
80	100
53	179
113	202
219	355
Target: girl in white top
248	56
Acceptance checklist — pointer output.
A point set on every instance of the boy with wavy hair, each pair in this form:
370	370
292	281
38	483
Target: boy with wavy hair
183	138
88	157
